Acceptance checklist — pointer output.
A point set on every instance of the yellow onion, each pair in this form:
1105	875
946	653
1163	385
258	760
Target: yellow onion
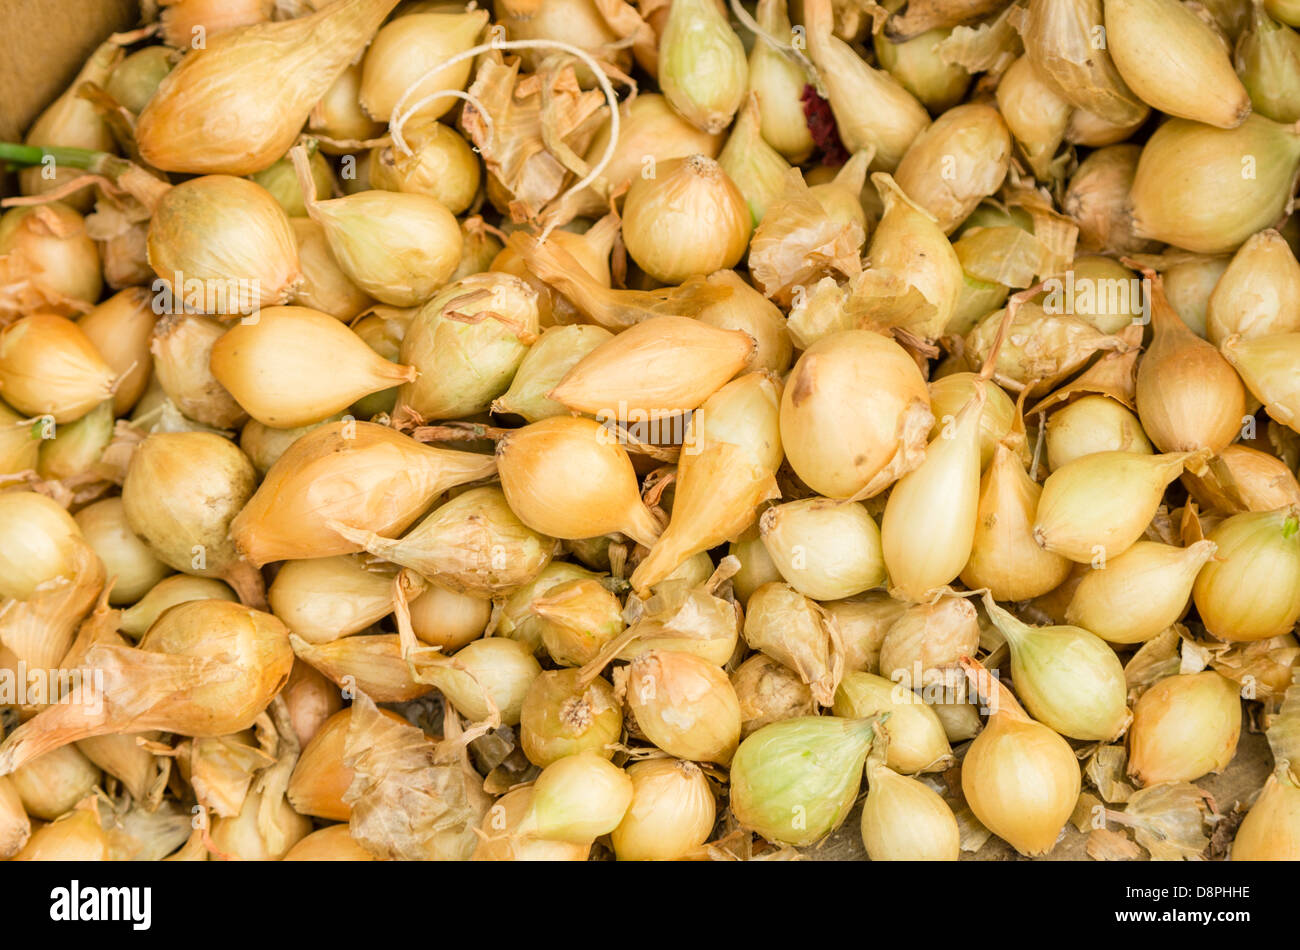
1283	10
702	68
50	785
186	23
222	245
338	115
517	619
867	390
501	839
74	837
649	128
916	738
769	691
473	543
322	599
894	120
920	66
686	219
564	714
177	589
72	121
1139	594
581	262
440	165
320	779
685	705
1035	113
264	445
125	556
406	50
949	393
1189	281
1268	61
324	285
863	622
748	310
909	255
237	104
466	344
1097	200
15	826
310	699
579	618
547	361
494	673
586	24
77	449
1266	364
794	630
334	843
479	247
929	523
264	830
120	329
39	537
925	643
1101	291
1251	590
271	364
181	491
1092	424
728	466
778	81
609	382
281	181
1252	297
671	815
373	664
1093	131
957	162
1004	556
1184	727
1268	832
577	799
49	367
1189	73
20	443
754	167
445	618
905	820
1098	505
1062	42
361	474
206	668
756	565
1066	676
1019	777
1246	479
399	248
824	549
796	780
182	347
47	245
567	477
1207	189
1188	397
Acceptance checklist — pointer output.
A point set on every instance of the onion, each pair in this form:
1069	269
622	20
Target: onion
182	349
125	556
177	589
334	843
51	784
323	599
563	714
49	367
1184	726
685	705
672	812
406	49
38	541
47	245
120	329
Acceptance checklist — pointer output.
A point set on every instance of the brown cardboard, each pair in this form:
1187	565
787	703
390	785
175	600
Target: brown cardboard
42	45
